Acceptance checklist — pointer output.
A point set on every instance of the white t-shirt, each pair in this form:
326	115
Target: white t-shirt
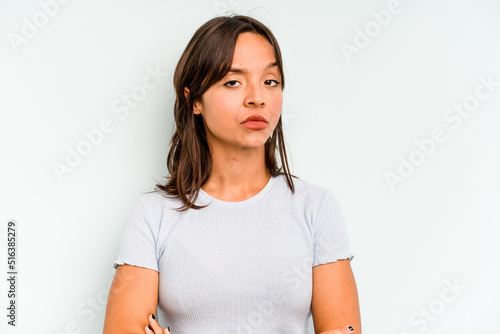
237	267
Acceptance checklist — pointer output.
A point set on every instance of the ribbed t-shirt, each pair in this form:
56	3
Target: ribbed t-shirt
237	267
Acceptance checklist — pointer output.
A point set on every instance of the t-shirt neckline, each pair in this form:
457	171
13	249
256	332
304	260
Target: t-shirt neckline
253	199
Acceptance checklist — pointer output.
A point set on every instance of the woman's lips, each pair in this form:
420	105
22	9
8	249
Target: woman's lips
255	125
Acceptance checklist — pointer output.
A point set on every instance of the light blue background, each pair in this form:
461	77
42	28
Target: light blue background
347	120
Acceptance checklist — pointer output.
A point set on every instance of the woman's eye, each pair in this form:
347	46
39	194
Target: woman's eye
276	83
233	83
230	83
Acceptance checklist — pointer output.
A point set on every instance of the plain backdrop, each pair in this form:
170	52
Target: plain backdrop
392	105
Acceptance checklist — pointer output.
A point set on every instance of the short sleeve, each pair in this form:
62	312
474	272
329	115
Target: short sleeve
331	240
138	243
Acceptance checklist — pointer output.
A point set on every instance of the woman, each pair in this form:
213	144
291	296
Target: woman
230	244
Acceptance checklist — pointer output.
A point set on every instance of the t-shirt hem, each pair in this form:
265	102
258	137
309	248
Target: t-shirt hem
135	264
347	257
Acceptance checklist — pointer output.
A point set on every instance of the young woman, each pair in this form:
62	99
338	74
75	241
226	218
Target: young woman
230	243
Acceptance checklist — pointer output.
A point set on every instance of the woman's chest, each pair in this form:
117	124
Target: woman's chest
240	265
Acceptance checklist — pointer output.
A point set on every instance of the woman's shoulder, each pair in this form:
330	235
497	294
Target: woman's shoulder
304	187
157	200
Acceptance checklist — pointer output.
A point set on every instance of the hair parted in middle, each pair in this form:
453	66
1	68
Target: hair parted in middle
206	60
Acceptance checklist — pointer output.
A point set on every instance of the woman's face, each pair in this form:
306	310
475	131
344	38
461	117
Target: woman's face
252	86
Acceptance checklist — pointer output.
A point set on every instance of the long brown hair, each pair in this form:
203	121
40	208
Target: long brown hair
205	61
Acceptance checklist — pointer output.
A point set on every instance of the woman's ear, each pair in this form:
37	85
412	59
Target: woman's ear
196	103
197	107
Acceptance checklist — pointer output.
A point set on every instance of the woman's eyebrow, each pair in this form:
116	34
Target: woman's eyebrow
242	70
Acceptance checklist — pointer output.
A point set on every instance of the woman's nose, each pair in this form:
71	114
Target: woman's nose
254	96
